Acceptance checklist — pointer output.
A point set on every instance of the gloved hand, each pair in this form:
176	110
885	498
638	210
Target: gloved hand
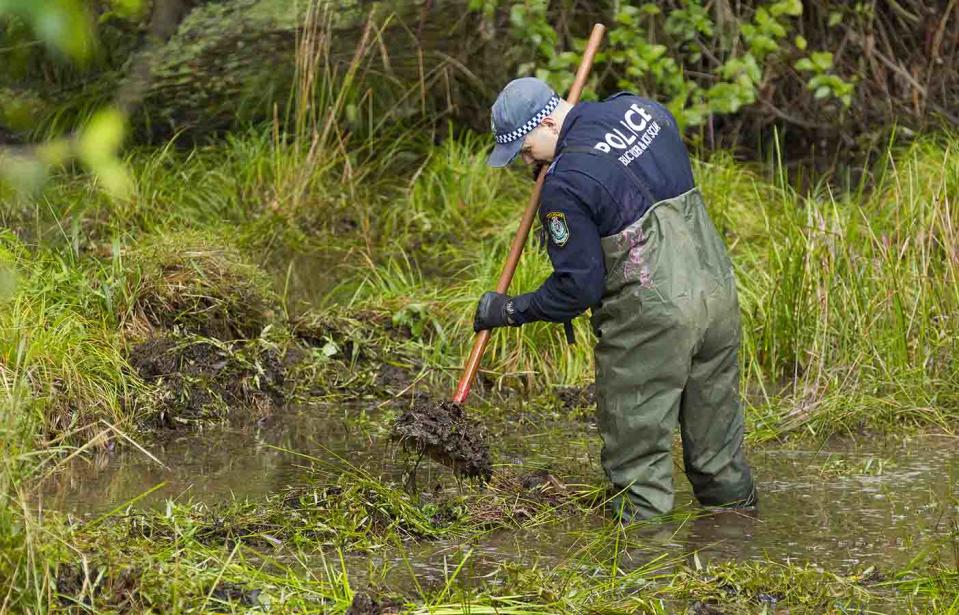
494	310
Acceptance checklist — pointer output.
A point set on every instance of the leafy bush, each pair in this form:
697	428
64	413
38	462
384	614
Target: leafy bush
832	73
652	49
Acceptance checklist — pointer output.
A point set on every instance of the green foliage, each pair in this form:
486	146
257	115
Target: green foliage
814	271
97	147
415	317
529	17
848	302
64	26
822	83
59	350
650	49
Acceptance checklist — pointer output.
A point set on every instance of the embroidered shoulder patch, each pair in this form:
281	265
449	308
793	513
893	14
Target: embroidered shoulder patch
557	227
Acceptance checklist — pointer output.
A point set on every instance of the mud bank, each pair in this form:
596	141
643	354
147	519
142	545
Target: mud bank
189	283
202	379
209	337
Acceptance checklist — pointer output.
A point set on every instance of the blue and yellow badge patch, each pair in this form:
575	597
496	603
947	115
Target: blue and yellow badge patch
557	228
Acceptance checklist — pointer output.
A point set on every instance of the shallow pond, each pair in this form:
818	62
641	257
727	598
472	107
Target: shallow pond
842	505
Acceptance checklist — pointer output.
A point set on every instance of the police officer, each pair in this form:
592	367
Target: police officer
630	239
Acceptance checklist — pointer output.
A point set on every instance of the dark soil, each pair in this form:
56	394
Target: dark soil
574	398
235	592
444	433
119	590
540	480
365	604
199	379
394	376
705	608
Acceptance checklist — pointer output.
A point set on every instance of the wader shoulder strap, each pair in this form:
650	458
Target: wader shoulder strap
638	182
634	178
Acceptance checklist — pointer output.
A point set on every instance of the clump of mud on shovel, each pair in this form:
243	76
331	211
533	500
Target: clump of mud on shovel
444	433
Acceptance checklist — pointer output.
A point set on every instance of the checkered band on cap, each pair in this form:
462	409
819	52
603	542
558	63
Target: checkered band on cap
533	122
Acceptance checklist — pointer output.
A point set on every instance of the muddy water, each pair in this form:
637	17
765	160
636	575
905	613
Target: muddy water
302	278
840	506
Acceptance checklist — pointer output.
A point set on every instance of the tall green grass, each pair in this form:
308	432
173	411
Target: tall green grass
61	382
848	299
59	346
849	302
850	306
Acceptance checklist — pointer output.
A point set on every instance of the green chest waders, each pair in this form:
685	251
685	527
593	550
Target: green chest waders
668	337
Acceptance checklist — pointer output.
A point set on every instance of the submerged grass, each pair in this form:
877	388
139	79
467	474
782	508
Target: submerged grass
316	548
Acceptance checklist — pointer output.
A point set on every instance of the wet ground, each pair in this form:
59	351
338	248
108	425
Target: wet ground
841	506
305	277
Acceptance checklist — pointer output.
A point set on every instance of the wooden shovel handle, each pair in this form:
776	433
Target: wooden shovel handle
516	248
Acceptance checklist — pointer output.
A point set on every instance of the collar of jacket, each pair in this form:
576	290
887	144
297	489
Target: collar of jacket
575	114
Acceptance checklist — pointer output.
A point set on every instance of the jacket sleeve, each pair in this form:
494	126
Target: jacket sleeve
574	249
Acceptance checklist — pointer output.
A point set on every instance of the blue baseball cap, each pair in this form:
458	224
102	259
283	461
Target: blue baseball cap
518	109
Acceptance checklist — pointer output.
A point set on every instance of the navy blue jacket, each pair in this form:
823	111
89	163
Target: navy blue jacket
586	197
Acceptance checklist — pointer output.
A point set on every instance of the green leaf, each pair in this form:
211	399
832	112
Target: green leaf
822	60
8	281
102	136
653	52
26	174
800	42
114	177
62	25
627	16
54	152
329	349
128	8
517	16
763	45
97	147
650	8
792	8
725	97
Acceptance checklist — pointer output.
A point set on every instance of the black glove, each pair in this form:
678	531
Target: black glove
494	310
